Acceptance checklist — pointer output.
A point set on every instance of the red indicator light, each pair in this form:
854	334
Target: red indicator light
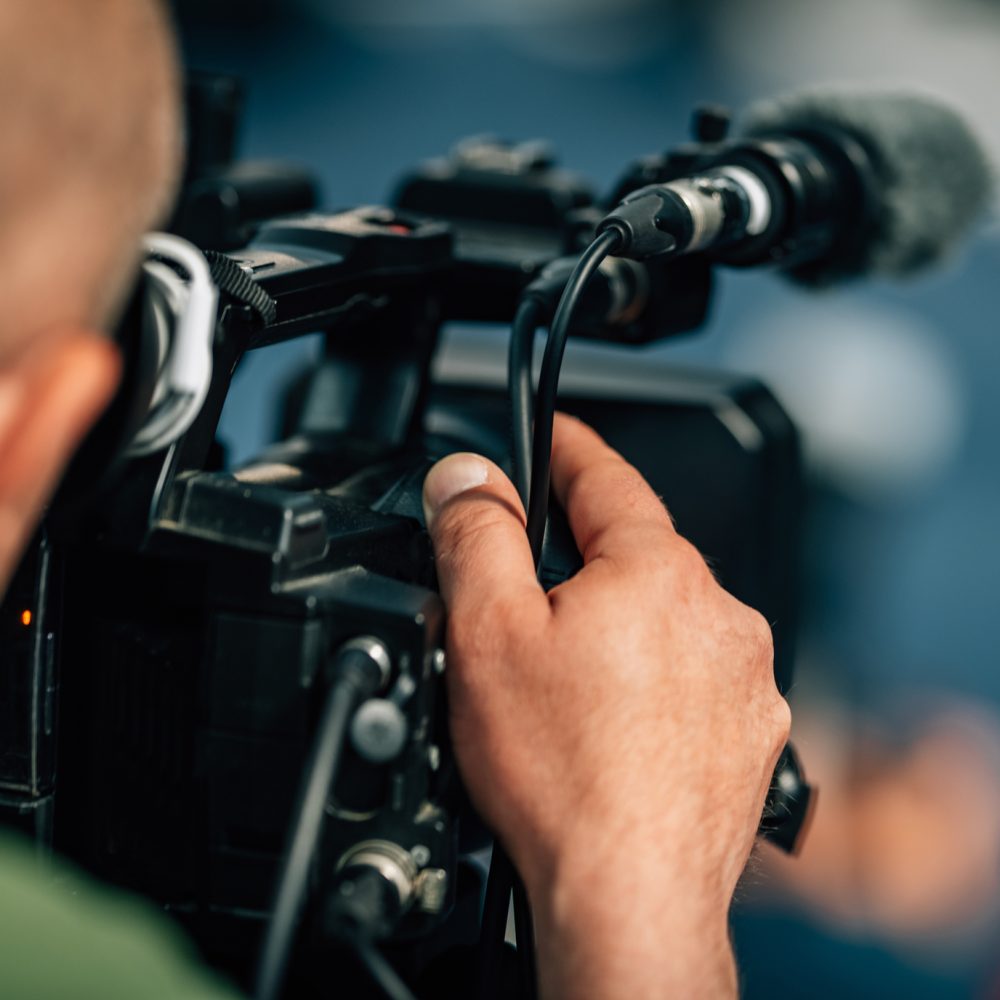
25	617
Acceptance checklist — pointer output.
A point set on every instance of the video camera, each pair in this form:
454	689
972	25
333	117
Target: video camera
184	643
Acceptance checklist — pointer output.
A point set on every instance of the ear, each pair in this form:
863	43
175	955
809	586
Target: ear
50	395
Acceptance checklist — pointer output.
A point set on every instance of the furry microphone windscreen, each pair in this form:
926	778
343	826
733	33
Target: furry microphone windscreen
932	176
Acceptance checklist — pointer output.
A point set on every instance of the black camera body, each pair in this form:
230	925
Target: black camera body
170	633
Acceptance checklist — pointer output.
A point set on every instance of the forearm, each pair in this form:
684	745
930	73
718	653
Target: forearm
634	931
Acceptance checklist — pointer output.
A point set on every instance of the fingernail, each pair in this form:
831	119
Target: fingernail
451	476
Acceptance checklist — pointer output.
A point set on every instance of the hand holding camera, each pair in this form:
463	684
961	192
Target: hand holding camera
638	681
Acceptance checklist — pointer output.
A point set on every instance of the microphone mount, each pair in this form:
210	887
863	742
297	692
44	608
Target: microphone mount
785	199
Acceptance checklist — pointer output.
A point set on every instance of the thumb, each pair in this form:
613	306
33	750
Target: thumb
476	523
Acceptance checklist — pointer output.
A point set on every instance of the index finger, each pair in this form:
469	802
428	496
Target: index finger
612	510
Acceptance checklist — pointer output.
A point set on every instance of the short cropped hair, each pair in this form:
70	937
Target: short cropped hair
89	154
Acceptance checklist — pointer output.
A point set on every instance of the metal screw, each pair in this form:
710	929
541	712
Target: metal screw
421	854
432	888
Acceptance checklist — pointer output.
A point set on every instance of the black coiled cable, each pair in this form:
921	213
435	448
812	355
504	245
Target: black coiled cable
532	480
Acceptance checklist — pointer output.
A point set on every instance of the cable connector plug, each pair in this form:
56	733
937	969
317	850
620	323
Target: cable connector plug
356	671
650	221
362	664
615	296
365	903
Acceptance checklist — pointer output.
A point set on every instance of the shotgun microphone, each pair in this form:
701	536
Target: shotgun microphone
825	186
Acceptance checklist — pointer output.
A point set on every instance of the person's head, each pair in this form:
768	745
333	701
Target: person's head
89	155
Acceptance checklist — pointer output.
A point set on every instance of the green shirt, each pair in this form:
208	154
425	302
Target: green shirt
64	936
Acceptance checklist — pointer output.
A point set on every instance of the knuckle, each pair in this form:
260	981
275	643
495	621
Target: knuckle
689	558
760	636
670	567
779	721
686	563
643	553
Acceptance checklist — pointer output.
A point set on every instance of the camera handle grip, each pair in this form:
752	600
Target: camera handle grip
789	805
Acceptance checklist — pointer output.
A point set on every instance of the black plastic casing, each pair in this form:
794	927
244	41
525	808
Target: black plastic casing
183	615
512	211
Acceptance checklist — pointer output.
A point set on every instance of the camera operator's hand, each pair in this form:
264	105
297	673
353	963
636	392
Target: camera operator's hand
618	733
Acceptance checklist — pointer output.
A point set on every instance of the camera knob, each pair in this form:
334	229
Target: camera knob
789	805
379	730
710	123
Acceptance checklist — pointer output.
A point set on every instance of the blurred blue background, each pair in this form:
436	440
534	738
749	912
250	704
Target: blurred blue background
894	387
